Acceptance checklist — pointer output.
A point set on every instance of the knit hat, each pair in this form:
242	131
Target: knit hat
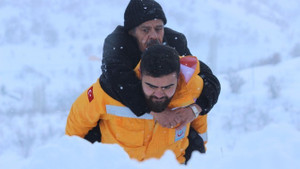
140	11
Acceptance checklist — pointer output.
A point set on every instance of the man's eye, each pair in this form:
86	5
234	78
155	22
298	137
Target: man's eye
158	29
146	30
152	87
165	88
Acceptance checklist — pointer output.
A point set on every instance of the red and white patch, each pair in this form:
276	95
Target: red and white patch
90	94
179	134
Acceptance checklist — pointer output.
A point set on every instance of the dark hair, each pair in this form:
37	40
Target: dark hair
160	60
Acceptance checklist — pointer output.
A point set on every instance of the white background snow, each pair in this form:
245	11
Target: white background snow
50	52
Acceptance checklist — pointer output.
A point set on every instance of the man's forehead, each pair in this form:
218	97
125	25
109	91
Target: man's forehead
160	81
155	22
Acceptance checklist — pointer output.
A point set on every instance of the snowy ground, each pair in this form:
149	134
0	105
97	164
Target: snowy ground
50	52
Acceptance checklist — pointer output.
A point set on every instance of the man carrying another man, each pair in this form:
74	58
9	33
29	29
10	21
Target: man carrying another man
144	25
144	22
167	82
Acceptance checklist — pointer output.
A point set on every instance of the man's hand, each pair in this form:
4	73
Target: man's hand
166	118
171	118
186	115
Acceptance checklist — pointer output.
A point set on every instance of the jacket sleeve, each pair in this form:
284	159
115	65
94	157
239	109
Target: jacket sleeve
200	125
118	78
82	117
211	89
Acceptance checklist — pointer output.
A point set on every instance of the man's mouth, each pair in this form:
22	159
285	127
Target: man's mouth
153	42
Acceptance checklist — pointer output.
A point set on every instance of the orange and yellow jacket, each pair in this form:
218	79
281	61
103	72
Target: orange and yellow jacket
141	137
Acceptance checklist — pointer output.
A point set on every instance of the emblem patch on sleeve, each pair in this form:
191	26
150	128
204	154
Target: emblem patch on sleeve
90	94
179	134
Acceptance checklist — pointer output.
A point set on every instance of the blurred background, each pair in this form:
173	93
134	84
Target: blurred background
51	51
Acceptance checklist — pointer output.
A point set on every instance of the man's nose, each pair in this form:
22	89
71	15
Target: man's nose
153	34
159	93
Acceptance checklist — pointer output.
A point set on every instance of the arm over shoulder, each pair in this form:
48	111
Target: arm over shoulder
212	87
120	56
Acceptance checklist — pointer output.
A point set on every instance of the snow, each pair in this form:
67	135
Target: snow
50	52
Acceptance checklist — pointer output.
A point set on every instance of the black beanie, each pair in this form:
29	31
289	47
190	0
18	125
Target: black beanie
140	11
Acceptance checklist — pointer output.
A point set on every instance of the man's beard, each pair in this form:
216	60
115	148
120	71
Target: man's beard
158	106
153	42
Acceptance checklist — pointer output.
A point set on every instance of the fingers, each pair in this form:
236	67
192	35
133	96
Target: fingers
180	126
178	120
169	118
184	123
165	124
171	124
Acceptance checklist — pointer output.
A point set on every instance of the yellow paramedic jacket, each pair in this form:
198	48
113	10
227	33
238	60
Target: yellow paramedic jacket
140	137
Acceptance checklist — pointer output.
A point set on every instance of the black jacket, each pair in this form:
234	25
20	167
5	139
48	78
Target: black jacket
121	54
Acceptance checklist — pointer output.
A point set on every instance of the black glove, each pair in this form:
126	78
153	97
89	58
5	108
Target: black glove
196	143
94	134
